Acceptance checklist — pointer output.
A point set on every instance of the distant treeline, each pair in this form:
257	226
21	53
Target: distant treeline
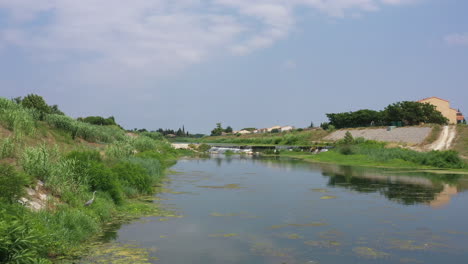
405	113
98	120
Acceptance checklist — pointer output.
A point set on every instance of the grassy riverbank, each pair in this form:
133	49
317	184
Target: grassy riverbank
63	161
376	154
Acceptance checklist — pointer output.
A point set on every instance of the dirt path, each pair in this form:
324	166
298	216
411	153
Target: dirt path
445	140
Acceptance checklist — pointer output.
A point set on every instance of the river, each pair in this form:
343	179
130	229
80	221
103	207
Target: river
239	209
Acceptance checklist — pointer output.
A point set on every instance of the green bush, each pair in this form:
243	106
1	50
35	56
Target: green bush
152	166
134	176
12	183
143	143
104	179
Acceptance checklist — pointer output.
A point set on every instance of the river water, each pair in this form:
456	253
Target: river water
252	210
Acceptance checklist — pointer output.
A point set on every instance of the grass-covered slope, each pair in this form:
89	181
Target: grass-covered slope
72	159
461	141
360	152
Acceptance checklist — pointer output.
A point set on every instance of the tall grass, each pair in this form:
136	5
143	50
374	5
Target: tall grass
17	118
38	161
88	132
377	151
7	148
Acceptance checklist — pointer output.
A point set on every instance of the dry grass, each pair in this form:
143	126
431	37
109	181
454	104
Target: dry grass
461	141
433	136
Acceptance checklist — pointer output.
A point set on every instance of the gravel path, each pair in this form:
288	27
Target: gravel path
412	135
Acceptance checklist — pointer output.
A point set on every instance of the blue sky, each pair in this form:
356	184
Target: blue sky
168	63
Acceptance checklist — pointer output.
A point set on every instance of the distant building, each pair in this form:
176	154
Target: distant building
242	132
286	128
454	116
273	128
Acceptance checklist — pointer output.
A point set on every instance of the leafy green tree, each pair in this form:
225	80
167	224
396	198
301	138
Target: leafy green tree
414	113
218	131
228	129
348	138
35	101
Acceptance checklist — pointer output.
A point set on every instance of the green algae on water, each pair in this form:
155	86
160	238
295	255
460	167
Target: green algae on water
323	244
120	254
327	197
367	252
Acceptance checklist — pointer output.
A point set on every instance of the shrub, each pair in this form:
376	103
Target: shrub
345	150
204	147
134	176
102	178
152	166
143	143
34	101
11	183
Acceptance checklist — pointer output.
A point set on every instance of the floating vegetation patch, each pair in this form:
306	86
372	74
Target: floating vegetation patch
223	215
224	235
227	186
117	253
327	197
267	250
299	225
411	245
319	190
291	236
167	190
331	235
367	252
323	244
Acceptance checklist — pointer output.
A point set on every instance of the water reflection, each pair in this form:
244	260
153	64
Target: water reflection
257	210
403	187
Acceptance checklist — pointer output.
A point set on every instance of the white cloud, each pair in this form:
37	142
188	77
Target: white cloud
460	39
155	36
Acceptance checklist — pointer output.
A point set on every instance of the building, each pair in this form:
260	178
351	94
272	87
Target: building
286	128
454	116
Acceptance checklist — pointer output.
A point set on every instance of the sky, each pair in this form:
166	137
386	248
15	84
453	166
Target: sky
244	63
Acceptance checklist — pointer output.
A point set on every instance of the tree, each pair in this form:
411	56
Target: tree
413	113
218	131
348	138
311	125
228	129
35	101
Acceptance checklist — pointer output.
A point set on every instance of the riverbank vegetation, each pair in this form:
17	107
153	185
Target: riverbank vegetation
461	141
361	152
53	163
